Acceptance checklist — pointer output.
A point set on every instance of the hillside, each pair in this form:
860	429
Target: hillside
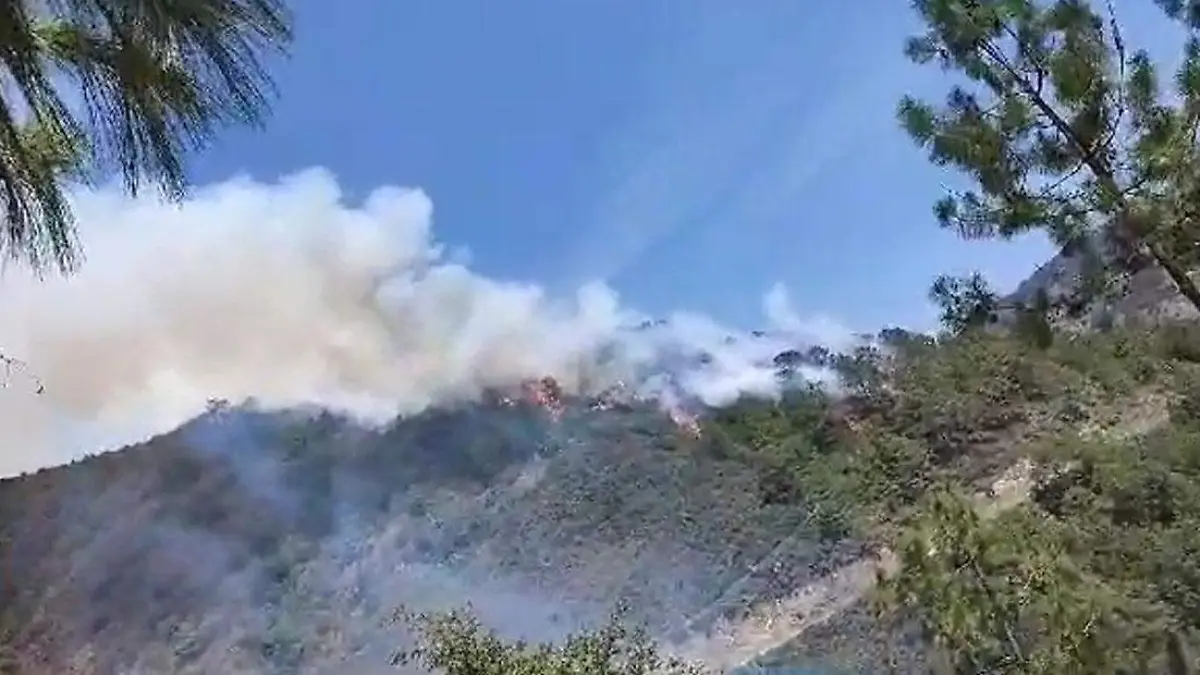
1090	538
182	541
272	543
358	454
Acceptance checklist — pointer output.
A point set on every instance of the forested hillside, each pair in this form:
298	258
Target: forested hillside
602	507
1082	378
1018	493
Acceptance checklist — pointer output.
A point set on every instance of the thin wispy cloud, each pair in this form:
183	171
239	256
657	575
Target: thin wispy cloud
846	121
730	148
744	143
681	165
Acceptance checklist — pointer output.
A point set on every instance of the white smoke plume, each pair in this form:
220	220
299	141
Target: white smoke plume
286	294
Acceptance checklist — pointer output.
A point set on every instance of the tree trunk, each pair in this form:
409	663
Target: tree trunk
1179	275
1104	173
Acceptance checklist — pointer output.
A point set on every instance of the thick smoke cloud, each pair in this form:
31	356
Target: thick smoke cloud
286	294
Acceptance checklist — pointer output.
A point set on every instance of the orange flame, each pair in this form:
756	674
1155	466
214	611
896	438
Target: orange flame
686	422
546	394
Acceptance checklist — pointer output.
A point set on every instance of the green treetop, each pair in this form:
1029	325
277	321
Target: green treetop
155	79
1065	130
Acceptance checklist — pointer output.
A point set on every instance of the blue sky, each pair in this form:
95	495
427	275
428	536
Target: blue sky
692	153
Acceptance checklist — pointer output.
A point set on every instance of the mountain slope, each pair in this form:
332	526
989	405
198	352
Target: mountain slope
251	542
241	539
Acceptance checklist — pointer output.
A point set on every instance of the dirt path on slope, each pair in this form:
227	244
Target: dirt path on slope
767	627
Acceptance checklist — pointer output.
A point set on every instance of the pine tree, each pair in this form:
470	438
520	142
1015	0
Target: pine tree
1064	130
157	78
1003	596
965	302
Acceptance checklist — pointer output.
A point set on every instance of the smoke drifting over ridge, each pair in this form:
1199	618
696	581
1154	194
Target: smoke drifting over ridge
285	294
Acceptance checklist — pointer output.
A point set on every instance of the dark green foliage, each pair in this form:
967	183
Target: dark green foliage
919	409
158	79
1132	513
1185	407
1033	322
1097	574
965	302
925	413
1181	342
1062	128
455	643
781	440
1008	596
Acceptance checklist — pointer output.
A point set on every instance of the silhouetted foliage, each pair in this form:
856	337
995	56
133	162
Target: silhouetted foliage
158	79
1062	129
965	302
455	643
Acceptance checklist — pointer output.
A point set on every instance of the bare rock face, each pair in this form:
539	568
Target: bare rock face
1147	297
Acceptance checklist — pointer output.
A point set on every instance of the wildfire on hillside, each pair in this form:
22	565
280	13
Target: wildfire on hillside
548	395
685	421
544	393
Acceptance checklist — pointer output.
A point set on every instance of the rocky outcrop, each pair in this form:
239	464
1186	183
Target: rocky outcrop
1144	297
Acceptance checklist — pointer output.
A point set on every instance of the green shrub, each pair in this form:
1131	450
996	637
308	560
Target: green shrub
456	643
1180	342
